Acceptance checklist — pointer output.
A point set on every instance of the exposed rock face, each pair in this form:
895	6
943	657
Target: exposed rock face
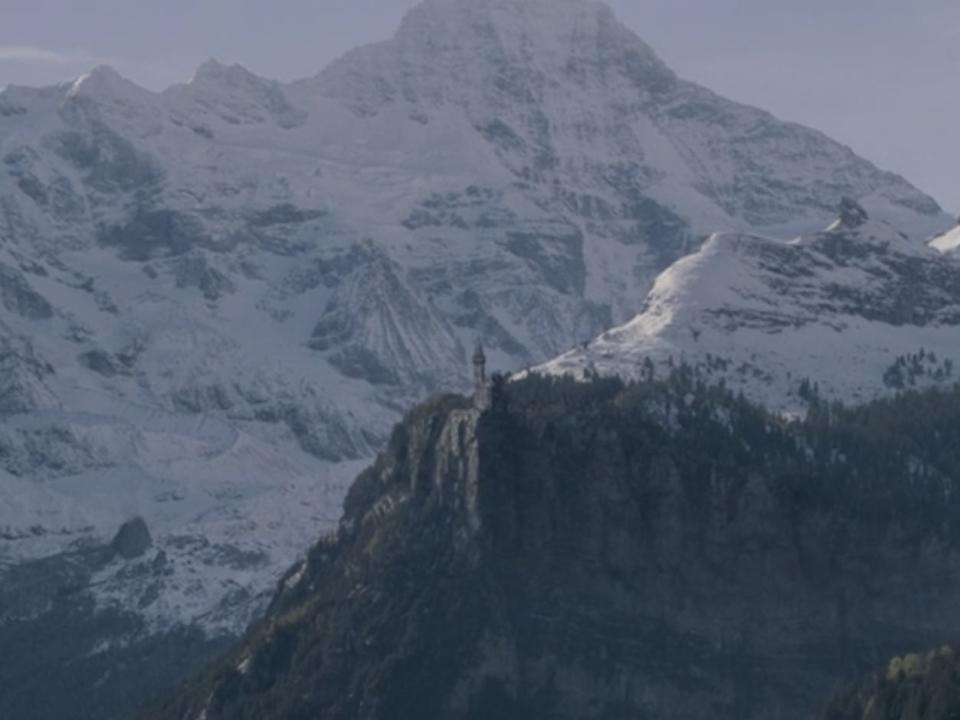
19	298
590	550
852	214
132	539
916	686
23	377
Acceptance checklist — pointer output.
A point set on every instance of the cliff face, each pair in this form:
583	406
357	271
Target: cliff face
596	550
917	686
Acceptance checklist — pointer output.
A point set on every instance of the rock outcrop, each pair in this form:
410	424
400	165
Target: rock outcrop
607	551
915	686
132	539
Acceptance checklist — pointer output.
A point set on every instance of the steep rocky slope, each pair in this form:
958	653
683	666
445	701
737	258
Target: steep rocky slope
916	686
853	313
594	550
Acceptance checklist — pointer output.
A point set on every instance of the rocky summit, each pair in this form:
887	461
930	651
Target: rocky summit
216	300
600	550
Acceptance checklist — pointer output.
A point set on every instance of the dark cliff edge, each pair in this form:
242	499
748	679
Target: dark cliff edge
916	686
601	550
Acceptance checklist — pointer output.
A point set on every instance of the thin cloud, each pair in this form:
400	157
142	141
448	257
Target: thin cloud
27	54
43	65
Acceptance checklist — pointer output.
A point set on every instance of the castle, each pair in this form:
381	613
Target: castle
481	385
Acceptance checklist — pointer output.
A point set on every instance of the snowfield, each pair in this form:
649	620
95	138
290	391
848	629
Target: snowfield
215	301
856	312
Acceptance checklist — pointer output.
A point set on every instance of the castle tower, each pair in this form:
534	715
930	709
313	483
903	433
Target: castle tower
481	388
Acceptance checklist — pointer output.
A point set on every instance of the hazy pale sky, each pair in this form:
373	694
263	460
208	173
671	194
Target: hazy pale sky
879	75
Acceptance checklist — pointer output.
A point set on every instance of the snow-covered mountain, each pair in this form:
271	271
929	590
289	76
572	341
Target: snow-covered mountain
852	313
216	300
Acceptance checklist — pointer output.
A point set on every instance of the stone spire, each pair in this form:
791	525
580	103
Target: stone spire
481	386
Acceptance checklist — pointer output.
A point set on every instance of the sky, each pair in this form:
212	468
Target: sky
878	75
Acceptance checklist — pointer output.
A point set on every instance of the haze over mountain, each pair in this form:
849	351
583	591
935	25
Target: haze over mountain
217	299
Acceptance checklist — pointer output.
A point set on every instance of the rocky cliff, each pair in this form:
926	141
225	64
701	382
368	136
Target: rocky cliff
915	686
659	550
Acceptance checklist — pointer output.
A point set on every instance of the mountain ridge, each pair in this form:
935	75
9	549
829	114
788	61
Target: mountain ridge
845	310
217	299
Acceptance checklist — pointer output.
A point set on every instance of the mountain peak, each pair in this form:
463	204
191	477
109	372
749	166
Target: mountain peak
528	31
551	14
102	80
211	67
212	71
487	53
236	95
